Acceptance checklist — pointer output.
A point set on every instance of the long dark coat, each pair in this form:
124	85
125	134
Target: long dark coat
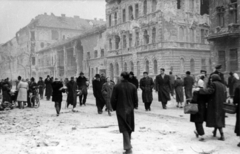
147	85
48	84
107	90
124	100
6	92
230	85
188	85
215	112
134	81
178	86
220	75
72	93
82	84
201	116
236	83
236	101
57	94
163	87
97	92
41	87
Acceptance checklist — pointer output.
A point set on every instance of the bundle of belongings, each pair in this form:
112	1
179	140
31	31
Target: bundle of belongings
6	106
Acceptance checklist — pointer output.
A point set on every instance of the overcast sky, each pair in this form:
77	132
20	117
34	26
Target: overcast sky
15	14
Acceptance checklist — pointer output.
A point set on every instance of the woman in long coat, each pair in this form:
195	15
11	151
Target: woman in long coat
41	87
147	85
236	101
22	93
72	93
57	95
215	111
178	86
107	94
48	84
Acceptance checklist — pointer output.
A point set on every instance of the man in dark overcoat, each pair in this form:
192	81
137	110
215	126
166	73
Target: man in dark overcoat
236	101
132	79
41	86
147	85
97	92
57	87
215	111
82	85
72	93
48	84
163	87
188	85
124	100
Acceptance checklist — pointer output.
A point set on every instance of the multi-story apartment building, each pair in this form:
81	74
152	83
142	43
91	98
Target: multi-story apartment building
146	35
40	33
225	33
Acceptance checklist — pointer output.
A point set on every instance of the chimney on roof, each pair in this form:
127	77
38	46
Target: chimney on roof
63	15
76	17
52	14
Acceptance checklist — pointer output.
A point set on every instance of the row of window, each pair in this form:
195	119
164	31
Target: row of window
95	54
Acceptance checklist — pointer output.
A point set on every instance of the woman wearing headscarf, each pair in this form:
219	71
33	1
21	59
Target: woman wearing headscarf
215	111
178	86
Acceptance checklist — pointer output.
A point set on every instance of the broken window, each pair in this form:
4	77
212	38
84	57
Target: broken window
204	7
202	36
220	15
115	18
124	41
233	60
117	41
130	9
145	7
32	36
146	37
154	5
110	20
124	15
55	35
154	35
102	52
95	53
222	59
203	64
137	38
130	40
178	4
233	9
136	11
110	44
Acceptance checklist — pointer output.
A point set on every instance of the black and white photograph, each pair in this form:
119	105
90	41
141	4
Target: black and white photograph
119	76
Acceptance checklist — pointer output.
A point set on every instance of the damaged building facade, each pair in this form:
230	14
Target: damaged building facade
41	32
224	35
146	35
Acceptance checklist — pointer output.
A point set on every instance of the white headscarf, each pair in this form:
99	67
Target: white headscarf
236	76
200	83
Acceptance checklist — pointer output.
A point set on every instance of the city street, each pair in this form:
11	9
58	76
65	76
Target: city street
39	131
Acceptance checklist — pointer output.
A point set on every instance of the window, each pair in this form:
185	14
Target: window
147	66
54	35
130	40
138	69
96	70
124	41
125	67
222	59
95	53
92	72
63	37
132	66
32	36
202	36
137	38
191	5
192	65
111	72
146	37
154	35
178	4
203	64
42	45
124	15
110	20
181	34
115	18
155	66
102	52
88	55
136	11
110	44
220	15
204	7
154	5
117	69
233	9
182	66
130	10
192	35
33	60
145	7
117	40
233	61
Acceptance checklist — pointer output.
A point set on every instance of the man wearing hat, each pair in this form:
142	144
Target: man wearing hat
132	79
188	85
97	92
217	71
82	85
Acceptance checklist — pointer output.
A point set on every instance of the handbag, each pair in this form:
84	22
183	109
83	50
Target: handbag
229	107
190	108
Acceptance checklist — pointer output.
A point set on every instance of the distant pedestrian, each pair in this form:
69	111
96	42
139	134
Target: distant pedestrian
132	79
147	85
58	89
124	100
172	81
107	94
48	84
178	86
236	101
163	87
41	86
83	87
22	93
72	93
188	85
97	92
